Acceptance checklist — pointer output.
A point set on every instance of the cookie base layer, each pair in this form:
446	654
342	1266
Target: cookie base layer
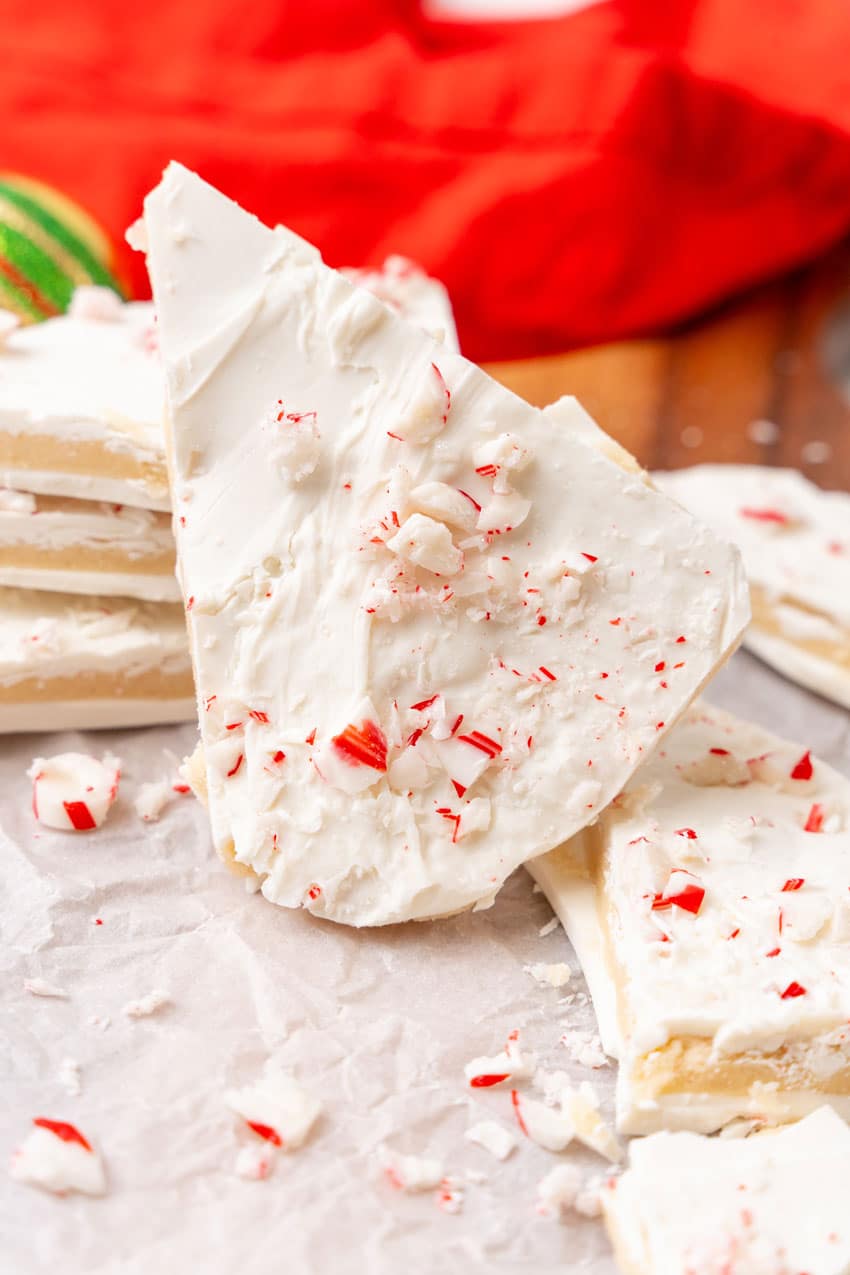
83	468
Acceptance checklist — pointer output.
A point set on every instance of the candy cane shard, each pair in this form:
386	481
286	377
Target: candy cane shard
73	791
712	922
449	543
751	1195
58	1157
276	1109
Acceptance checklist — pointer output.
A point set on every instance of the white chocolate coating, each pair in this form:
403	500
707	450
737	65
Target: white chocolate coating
426	546
756	963
795	541
772	1204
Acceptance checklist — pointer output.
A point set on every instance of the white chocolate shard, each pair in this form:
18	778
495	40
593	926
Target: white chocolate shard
309	598
711	923
773	1202
410	1172
795	541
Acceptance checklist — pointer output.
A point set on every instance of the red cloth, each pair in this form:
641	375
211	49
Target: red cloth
572	180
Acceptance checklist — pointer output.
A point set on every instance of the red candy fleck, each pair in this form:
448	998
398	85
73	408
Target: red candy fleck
474	502
793	990
311	738
546	673
484	1082
235	767
181	788
278	757
541	620
517	1112
661	666
459	788
314	892
804	768
424	703
258	716
232	725
80	816
265	1131
687	833
362	746
814	823
719	752
482	742
446	391
591	557
487	471
793	883
774	952
66	1132
190	603
765	515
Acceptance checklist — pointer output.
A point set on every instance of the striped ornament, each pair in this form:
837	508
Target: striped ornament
48	247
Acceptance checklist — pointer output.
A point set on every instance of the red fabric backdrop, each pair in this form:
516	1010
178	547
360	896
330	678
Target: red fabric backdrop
572	180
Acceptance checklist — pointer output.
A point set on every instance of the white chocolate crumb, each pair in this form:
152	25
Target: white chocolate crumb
493	1137
450	1196
146	1005
39	987
255	1161
152	798
69	1076
815	452
557	975
409	1172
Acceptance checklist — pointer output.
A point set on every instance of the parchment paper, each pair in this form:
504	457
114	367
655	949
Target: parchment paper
378	1024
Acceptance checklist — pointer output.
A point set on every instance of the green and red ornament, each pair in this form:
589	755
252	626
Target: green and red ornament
49	246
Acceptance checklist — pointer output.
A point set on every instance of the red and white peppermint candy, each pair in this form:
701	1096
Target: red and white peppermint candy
73	791
356	757
57	1157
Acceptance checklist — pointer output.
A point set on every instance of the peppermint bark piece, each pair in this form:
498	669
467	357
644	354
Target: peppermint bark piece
774	1202
425	620
795	540
710	910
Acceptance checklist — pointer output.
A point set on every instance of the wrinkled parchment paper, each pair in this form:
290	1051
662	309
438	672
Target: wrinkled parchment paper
377	1024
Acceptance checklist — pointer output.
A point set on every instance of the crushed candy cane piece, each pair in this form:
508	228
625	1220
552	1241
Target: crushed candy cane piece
682	890
558	1190
511	1064
581	1106
152	798
146	1005
57	1157
557	975
585	1048
410	1172
69	1077
544	1125
356	758
426	412
278	1104
73	791
450	1196
255	1161
38	987
493	1137
296	444
444	504
427	544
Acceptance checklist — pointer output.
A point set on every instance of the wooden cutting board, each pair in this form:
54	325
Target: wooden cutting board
779	354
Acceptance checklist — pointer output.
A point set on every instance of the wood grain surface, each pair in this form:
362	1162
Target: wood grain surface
779	354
